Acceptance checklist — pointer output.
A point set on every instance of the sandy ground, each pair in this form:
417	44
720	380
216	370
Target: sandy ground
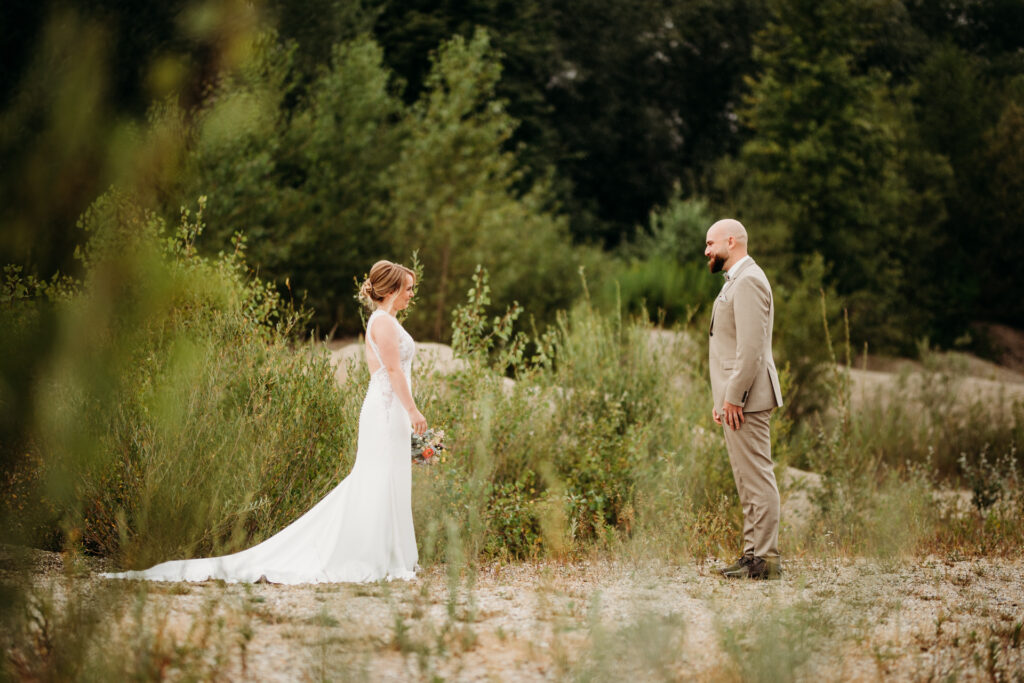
927	619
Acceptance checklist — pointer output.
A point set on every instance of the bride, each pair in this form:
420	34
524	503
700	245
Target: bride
362	530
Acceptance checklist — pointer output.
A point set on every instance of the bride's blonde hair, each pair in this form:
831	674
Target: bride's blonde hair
385	278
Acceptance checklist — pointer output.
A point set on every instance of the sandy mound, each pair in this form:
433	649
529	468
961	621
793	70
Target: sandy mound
1007	343
876	380
430	356
873	387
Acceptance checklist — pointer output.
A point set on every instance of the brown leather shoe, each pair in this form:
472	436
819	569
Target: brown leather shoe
757	568
742	563
769	568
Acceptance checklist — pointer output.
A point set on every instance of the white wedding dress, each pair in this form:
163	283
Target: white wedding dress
360	531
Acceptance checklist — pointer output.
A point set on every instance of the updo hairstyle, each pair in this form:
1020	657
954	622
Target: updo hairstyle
385	278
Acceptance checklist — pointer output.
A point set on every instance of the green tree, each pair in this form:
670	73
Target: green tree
455	195
54	137
625	100
1002	233
842	161
79	77
643	97
315	27
304	180
961	103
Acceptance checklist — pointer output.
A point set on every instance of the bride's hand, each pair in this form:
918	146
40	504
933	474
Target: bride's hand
419	423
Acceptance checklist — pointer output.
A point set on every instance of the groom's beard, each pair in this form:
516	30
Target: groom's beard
716	263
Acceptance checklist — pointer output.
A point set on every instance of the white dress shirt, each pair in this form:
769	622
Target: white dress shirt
736	265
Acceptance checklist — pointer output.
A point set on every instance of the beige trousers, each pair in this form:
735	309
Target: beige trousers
750	454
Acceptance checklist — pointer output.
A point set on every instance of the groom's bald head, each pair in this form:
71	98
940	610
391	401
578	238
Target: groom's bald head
726	244
730	227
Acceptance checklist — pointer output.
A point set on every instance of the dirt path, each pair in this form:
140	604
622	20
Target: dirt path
599	620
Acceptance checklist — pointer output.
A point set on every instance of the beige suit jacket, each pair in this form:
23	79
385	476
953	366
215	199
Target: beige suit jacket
740	347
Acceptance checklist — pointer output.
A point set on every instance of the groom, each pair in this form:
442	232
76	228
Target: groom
745	388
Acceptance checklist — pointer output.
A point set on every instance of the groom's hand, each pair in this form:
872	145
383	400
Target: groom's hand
732	415
715	416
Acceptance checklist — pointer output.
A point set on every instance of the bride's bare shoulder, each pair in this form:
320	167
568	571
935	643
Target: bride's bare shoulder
384	331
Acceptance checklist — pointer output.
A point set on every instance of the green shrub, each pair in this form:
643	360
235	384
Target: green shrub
675	232
669	292
663	272
803	306
577	449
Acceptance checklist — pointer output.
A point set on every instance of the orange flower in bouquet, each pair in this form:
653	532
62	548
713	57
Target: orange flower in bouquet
426	447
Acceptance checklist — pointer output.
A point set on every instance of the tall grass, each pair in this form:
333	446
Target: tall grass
173	417
936	416
778	643
647	649
70	628
596	442
883	461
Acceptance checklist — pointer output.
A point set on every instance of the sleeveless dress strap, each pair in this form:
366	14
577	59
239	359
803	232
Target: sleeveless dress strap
369	339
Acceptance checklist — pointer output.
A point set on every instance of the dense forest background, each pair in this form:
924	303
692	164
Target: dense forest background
873	147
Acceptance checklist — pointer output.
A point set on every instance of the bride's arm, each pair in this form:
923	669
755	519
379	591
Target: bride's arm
386	338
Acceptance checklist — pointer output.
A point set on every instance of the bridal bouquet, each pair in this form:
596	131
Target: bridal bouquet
427	447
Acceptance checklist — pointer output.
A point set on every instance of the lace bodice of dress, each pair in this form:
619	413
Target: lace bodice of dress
379	380
406	345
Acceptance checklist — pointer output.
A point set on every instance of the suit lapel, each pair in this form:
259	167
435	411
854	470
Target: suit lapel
714	307
728	283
